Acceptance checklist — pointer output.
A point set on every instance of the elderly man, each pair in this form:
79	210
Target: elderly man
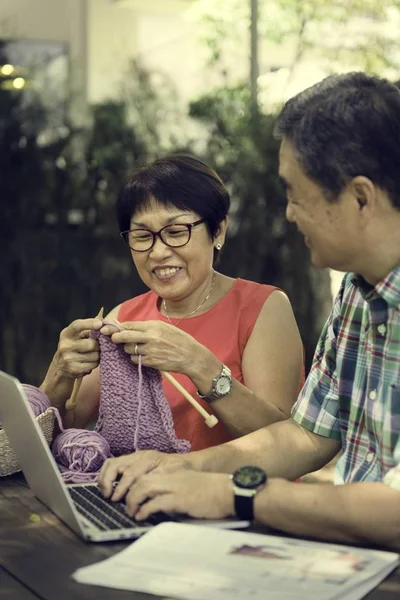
340	164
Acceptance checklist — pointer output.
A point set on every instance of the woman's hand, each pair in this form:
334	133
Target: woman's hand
165	347
77	354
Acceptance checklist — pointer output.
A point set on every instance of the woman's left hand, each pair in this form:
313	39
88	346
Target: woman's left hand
162	346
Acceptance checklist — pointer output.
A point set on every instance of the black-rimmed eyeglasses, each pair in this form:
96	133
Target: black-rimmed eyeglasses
175	235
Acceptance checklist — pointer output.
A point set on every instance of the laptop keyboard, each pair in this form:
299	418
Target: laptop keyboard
108	515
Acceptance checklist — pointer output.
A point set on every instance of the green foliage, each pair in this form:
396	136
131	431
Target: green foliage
349	33
153	109
111	149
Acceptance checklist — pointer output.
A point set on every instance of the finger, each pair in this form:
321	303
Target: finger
109	472
163	502
140	464
83	346
145	326
84	334
77	368
87	367
137	325
135	349
80	369
82	324
142	492
121	489
130	475
76	352
109	329
126	337
75	359
76	327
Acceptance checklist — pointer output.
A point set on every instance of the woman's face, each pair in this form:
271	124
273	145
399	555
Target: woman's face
175	273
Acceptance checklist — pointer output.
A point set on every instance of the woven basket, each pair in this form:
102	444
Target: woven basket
8	460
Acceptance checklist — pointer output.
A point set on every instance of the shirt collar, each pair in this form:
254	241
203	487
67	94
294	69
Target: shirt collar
388	288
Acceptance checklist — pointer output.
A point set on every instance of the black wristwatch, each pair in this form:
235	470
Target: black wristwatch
247	481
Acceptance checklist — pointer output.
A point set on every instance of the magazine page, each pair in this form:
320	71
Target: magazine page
194	562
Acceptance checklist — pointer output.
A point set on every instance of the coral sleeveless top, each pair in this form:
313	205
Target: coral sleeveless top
224	330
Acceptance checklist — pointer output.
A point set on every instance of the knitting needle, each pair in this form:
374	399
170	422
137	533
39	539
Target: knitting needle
71	403
210	420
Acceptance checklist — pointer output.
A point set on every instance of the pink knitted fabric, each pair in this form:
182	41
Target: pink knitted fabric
134	413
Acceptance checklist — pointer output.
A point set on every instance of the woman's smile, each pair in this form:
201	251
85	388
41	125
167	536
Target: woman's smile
166	273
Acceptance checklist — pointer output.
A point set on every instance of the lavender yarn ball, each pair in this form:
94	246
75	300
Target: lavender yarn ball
80	454
36	398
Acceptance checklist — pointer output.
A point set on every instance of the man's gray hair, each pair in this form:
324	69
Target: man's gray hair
344	126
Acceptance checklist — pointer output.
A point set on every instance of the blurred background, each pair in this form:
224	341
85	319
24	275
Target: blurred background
91	88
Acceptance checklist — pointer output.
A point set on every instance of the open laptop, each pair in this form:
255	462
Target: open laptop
80	506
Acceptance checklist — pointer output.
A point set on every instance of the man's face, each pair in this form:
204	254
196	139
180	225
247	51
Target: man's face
329	228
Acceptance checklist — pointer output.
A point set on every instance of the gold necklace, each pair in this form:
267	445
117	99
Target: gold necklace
193	311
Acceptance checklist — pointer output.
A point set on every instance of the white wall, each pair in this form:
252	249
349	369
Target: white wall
45	19
112	40
158	33
103	35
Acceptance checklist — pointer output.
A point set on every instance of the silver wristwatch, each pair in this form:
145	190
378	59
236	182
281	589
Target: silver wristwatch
221	385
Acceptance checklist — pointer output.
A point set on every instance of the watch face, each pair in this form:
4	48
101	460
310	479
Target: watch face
249	477
223	385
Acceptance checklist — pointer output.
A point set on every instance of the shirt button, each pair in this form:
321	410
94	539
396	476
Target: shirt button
382	329
370	457
372	395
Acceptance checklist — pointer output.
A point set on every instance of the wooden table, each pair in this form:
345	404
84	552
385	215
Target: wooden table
38	554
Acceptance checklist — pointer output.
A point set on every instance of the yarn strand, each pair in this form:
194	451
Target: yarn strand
140	401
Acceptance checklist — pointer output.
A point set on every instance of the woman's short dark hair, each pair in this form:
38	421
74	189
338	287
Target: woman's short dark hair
178	179
344	126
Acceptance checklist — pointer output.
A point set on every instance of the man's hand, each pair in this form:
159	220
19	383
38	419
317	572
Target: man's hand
200	495
132	466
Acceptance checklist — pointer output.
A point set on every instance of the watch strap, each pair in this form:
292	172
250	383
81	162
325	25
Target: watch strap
244	505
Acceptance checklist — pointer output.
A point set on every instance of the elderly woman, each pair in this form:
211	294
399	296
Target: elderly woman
230	342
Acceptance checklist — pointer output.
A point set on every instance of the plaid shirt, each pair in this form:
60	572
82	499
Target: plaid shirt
353	390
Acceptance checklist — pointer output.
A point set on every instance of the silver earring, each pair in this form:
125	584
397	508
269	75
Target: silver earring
218	246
